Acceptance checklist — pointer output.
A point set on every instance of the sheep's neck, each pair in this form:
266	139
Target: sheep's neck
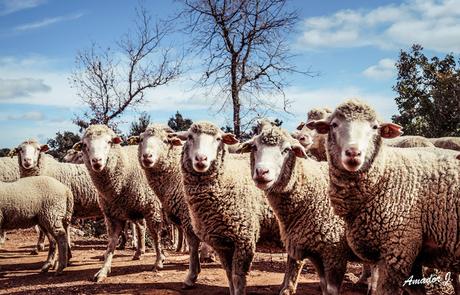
164	177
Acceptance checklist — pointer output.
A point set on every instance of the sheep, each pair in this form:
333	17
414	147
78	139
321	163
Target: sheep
76	157
159	157
408	142
399	205
314	142
296	189
9	170
42	201
124	191
73	156
451	143
226	209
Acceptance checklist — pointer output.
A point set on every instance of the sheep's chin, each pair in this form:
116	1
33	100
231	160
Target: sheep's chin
264	184
352	165
27	166
201	167
147	164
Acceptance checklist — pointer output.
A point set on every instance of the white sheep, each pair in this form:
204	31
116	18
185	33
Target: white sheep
451	143
297	190
42	201
399	205
124	191
408	141
226	209
73	156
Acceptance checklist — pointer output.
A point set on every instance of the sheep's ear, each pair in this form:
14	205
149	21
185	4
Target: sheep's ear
301	125
77	146
229	138
299	150
182	135
117	140
133	140
245	147
175	141
321	126
390	130
458	157
44	148
13	152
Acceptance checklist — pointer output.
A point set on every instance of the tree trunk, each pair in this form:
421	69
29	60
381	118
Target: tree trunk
235	98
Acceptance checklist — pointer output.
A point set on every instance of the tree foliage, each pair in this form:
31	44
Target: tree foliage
139	126
4	152
243	45
179	123
428	94
110	81
61	143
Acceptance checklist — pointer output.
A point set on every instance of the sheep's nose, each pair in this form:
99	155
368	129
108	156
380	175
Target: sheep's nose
261	171
302	138
147	156
352	152
200	158
96	160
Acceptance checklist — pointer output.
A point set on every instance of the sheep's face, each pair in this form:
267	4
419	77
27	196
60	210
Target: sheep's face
305	137
150	149
29	152
97	148
73	156
353	142
202	148
269	152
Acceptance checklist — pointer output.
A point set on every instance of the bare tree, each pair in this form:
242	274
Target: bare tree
110	82
244	47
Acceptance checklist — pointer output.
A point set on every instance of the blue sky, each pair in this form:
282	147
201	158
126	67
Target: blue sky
353	45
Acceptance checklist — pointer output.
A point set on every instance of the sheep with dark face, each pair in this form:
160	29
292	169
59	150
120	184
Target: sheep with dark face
226	209
399	205
124	191
296	188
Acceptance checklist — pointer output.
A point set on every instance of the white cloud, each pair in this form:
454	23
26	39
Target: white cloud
383	70
11	6
47	22
28	116
24	87
434	24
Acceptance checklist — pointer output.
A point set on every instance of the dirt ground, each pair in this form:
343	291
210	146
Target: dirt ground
20	272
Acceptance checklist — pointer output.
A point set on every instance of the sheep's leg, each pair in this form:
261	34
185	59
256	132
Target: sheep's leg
113	231
334	271
50	260
194	267
133	235
179	238
154	228
2	237
365	274
318	263
207	254
291	276
242	259
140	240
60	236
225	258
40	242
456	283
123	236
392	279
372	285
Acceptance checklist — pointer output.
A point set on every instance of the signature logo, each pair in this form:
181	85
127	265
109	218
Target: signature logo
432	279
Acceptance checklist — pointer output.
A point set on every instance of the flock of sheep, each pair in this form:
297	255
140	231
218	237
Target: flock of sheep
344	187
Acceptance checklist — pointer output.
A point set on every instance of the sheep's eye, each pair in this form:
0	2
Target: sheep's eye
334	125
219	139
190	137
38	149
254	147
83	145
375	127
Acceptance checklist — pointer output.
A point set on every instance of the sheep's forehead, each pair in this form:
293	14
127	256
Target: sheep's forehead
205	128
318	114
95	131
355	110
155	131
32	142
272	136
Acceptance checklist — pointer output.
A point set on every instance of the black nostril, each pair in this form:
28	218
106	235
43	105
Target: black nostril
95	160
261	171
352	152
147	156
200	158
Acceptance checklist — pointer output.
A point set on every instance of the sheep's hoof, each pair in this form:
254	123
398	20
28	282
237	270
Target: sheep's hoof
207	259
185	286
46	267
286	292
34	252
100	276
58	273
137	257
41	247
